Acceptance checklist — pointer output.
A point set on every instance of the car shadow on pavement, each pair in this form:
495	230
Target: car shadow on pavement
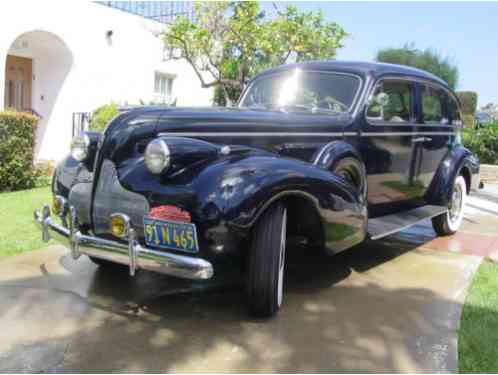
331	320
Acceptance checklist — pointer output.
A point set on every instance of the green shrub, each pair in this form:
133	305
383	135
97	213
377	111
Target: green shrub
44	172
483	142
468	101
17	141
469	121
102	116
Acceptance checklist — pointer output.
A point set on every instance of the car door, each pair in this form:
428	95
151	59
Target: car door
387	148
438	110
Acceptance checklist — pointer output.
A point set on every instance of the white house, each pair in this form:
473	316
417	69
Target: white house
71	56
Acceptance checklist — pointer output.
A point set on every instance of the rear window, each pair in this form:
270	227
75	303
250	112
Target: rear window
434	105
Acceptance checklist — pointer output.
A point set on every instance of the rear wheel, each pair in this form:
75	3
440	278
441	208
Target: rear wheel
266	262
353	171
449	222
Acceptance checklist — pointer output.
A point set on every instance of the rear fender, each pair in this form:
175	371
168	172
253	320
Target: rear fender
459	160
333	152
329	155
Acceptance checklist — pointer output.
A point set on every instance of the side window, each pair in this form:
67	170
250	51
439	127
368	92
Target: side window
391	102
434	105
454	112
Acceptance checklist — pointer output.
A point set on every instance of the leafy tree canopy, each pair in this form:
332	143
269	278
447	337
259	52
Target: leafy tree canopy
427	59
229	42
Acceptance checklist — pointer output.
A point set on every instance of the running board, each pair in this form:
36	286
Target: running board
385	225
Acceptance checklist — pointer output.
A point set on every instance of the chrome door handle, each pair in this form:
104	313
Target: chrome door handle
418	140
421	139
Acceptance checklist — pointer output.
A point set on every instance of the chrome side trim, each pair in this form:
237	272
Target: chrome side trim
132	253
333	134
256	134
397	134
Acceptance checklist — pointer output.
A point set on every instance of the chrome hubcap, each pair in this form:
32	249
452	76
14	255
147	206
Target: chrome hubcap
455	207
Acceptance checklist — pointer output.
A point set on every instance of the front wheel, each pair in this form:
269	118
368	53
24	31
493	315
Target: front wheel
266	262
449	222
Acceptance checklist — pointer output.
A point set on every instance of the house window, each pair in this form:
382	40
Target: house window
163	87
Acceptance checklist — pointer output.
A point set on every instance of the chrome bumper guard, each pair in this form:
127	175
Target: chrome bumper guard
132	254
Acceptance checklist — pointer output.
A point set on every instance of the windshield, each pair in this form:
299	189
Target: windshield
298	90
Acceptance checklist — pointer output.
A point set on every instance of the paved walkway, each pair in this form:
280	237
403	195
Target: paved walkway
390	305
479	232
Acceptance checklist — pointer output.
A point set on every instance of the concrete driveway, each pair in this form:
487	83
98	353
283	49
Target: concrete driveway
390	305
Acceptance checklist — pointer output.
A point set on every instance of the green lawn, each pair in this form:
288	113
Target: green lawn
18	232
478	335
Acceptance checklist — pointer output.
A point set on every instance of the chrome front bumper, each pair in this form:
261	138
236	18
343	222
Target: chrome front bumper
132	254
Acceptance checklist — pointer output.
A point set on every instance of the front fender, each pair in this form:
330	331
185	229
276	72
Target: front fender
226	196
459	160
242	189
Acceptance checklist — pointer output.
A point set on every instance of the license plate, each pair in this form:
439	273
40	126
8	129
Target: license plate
171	235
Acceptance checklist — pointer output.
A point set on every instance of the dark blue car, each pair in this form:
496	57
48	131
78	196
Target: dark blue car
324	154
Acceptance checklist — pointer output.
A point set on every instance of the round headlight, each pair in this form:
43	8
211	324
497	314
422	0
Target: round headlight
157	156
80	146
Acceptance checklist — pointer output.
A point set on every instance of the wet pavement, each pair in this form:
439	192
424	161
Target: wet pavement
389	305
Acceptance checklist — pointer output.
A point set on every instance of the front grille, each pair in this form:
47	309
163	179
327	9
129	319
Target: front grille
111	197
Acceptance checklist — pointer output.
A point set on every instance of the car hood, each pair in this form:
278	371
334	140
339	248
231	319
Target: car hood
131	131
211	119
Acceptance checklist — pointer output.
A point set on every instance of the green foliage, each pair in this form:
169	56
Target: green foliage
17	142
19	232
230	42
102	116
469	121
477	349
428	60
468	101
44	172
483	142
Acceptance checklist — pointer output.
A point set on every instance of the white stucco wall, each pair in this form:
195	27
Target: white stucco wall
76	68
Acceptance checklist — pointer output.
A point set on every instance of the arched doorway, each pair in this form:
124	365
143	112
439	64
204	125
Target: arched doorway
37	68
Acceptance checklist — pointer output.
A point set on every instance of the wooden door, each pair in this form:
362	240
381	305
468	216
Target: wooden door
18	79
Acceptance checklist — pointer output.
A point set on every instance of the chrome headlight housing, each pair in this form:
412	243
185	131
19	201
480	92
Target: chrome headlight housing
157	156
80	147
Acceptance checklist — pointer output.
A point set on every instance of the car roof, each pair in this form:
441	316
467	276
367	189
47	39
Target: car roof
361	68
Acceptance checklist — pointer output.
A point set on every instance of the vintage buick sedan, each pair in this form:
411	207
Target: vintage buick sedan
324	154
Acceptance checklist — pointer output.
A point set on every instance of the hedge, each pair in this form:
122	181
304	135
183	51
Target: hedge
17	141
483	142
469	121
468	101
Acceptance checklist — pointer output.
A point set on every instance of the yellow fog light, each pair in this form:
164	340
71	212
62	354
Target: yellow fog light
58	205
119	225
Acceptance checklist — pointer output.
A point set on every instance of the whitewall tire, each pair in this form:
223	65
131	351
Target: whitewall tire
265	284
449	222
